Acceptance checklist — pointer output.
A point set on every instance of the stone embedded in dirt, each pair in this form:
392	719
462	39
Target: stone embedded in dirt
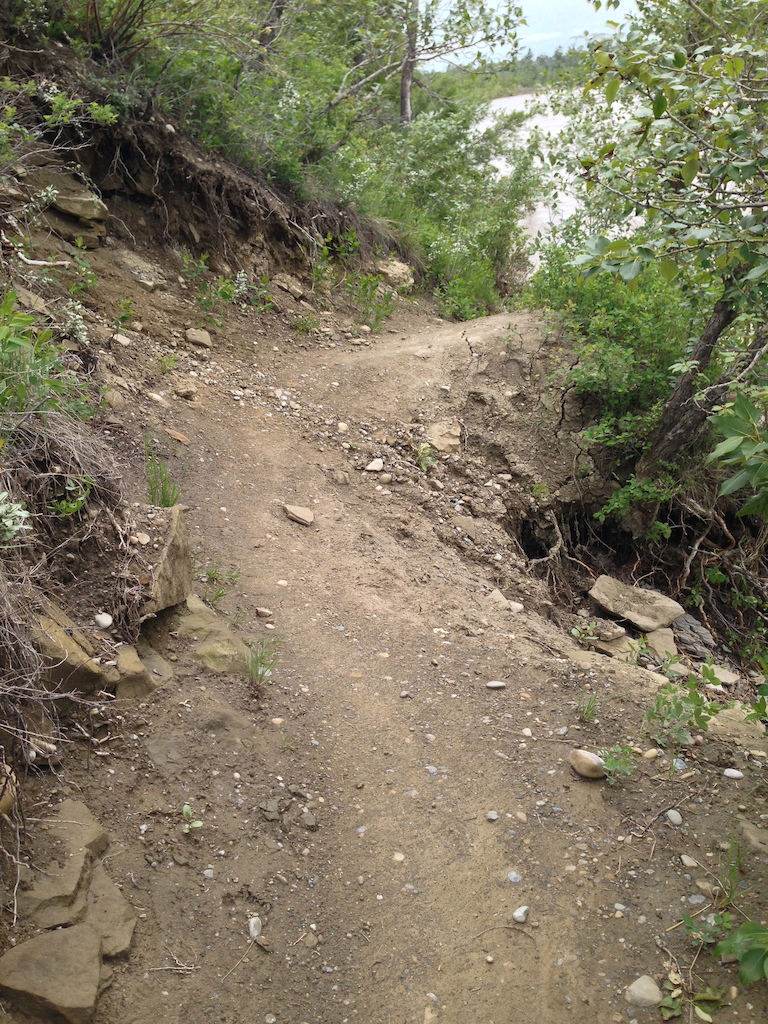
521	915
497	598
68	654
622	648
492	816
122	340
651	755
289	284
515	607
646	609
375	466
729	725
199	337
109	914
661	643
608	631
445	435
674	817
733	773
172	575
135	678
643	992
725	676
514	877
143	539
343	428
187	393
688	862
264	613
56	974
522	816
309	821
57	897
103	620
386	478
217	647
694	637
587	764
298	514
496	684
396	274
254	928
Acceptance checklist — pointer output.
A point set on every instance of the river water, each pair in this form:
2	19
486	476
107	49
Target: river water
545	214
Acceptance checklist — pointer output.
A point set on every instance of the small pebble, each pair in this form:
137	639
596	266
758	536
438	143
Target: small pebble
674	817
492	816
208	874
733	773
495	684
521	915
688	862
489	959
254	928
514	877
651	754
521	816
103	620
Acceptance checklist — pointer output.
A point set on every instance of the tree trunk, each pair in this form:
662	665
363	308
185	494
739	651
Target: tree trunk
409	63
682	418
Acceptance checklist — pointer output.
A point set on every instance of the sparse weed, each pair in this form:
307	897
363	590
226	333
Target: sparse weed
585	635
168	361
675	712
425	457
13	520
262	659
710	929
749	944
162	491
77	490
189	821
541	491
618	762
306	324
125	313
588	708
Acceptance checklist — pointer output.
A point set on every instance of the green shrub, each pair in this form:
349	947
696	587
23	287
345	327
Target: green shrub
628	337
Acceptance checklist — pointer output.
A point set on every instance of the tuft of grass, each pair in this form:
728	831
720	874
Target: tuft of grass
162	491
262	659
588	708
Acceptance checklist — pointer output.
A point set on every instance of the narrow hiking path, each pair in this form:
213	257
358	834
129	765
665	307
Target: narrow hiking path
379	807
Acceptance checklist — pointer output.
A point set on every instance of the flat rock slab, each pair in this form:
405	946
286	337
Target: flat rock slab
643	992
109	914
446	435
198	336
729	725
172	577
646	609
56	974
56	897
298	514
661	643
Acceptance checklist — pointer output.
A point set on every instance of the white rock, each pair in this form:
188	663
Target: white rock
646	609
688	862
492	816
375	466
643	992
733	773
343	428
254	928
103	620
587	764
521	915
495	684
674	817
515	607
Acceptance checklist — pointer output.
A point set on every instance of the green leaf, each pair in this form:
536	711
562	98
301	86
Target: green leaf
659	104
725	447
629	271
690	168
669	270
736	482
756	272
612	90
701	1014
752	966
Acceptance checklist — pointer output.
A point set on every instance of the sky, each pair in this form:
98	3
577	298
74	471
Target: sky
553	23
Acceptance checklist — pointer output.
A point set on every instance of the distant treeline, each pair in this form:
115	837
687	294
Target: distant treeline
523	74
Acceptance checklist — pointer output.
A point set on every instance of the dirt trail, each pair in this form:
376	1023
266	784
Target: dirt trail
397	908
